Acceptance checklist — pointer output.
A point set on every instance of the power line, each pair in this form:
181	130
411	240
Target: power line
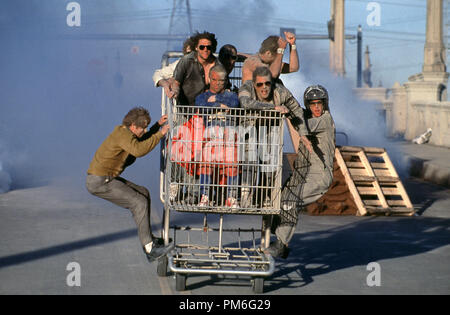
394	3
410	19
391	38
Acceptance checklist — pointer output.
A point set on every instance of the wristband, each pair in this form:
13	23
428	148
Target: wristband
280	51
293	47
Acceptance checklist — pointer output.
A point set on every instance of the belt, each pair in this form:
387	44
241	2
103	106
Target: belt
108	178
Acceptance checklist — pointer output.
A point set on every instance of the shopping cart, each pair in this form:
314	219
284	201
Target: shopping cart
223	162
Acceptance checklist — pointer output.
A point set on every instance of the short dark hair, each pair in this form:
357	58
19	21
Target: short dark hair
138	116
206	35
262	71
269	44
226	51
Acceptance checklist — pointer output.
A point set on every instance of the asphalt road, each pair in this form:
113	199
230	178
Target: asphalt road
51	231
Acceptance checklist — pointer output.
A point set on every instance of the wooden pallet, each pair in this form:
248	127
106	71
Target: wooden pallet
370	177
373	181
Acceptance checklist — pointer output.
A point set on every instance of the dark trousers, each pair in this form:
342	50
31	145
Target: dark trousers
127	195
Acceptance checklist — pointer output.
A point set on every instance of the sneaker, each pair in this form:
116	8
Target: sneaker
158	251
159	241
276	221
173	192
204	201
246	198
267	203
232	203
277	249
189	201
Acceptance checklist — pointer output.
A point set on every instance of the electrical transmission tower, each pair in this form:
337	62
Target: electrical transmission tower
180	20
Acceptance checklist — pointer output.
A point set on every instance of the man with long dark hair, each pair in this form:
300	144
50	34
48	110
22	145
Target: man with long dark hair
192	72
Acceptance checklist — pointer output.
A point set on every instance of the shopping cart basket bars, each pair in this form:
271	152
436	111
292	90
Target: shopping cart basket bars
224	160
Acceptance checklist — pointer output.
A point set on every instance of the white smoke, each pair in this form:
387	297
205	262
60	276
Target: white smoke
358	122
5	180
358	119
61	98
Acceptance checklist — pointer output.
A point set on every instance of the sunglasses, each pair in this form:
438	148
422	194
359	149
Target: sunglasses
267	83
202	47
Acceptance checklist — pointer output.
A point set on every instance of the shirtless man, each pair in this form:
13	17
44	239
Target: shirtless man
271	55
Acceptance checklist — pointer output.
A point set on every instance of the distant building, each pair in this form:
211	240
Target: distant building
421	103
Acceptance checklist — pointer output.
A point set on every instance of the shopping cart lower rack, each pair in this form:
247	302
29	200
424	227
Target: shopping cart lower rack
222	163
203	259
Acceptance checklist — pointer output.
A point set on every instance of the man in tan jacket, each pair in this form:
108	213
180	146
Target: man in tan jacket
120	149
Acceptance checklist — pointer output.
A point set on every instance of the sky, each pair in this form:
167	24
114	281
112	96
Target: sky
396	42
60	97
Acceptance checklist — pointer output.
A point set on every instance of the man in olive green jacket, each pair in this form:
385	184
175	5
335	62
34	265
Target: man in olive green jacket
120	149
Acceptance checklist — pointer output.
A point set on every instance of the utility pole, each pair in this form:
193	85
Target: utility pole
447	29
359	63
434	51
336	28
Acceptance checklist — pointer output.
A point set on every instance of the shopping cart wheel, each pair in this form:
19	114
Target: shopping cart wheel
180	279
258	285
161	268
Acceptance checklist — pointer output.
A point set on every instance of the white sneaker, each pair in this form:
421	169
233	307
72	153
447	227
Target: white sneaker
232	203
173	191
267	203
246	198
204	201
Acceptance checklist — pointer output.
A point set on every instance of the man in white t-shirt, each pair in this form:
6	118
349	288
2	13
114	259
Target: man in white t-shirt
164	77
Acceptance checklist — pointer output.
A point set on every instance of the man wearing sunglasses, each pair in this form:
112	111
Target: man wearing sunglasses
228	56
192	72
191	78
263	93
271	55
